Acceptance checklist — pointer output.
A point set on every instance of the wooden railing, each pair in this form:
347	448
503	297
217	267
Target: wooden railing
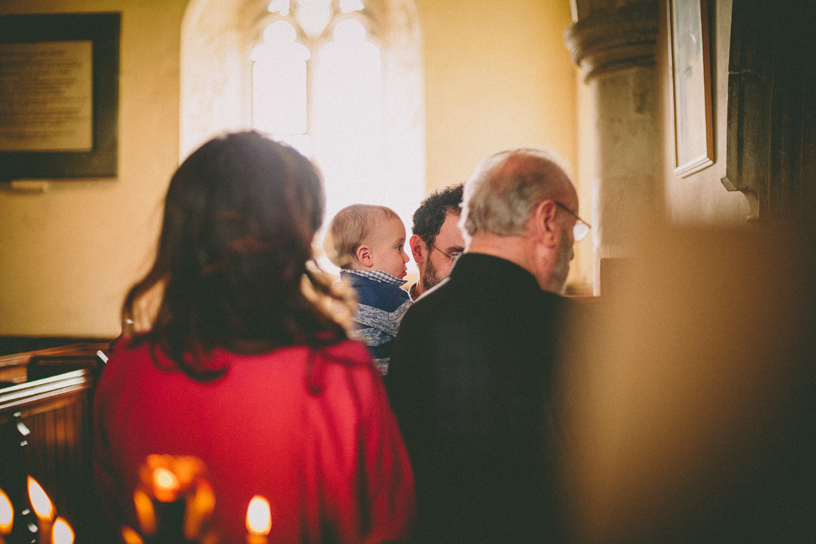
46	399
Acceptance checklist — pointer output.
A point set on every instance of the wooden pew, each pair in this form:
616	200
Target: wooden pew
46	401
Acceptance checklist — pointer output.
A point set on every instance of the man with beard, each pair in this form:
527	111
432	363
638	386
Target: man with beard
472	372
437	239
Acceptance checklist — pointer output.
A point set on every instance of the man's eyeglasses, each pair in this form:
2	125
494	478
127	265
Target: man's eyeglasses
451	257
581	228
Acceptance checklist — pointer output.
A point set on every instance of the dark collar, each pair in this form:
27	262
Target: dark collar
485	271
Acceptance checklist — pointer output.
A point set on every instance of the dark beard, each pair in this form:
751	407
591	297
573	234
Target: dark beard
429	277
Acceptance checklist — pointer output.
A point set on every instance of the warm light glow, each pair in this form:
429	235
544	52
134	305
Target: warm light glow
200	506
39	500
259	516
145	512
165	484
6	514
62	532
130	536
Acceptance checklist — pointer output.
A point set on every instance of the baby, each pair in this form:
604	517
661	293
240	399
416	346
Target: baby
367	242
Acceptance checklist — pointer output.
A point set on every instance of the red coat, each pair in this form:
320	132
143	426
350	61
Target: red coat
322	444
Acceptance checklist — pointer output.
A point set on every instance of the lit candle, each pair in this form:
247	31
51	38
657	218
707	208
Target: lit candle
145	512
165	485
43	508
200	506
258	520
62	532
6	516
130	536
175	499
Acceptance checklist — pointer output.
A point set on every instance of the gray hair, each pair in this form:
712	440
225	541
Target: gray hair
506	187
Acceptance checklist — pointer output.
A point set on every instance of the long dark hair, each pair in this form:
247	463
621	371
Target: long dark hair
239	219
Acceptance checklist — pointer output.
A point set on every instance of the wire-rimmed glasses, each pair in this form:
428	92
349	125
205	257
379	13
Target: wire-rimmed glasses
451	257
581	227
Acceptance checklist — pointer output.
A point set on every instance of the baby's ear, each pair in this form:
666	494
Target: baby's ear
364	256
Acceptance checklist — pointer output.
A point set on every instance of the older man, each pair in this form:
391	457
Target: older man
473	365
437	239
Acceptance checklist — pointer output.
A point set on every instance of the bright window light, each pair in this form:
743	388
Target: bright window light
279	6
338	82
347	131
279	79
347	6
313	16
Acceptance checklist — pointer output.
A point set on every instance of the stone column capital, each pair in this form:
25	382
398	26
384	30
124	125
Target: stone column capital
614	39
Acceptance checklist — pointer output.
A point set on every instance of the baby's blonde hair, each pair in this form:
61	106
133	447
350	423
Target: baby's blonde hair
350	228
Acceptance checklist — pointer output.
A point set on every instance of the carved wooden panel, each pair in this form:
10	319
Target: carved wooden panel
772	108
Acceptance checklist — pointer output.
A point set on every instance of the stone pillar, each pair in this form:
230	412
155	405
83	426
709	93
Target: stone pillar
614	43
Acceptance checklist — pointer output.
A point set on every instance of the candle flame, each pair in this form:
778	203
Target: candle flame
166	484
6	514
62	532
39	500
130	536
259	516
165	479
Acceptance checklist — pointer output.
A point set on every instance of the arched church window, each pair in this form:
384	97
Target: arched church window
340	80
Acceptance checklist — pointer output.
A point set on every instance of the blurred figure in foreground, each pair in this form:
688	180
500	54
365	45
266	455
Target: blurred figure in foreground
472	369
235	363
691	401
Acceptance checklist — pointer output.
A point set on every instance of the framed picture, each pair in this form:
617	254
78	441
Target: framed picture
690	68
59	96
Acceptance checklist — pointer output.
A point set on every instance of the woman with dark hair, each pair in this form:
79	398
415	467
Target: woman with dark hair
228	356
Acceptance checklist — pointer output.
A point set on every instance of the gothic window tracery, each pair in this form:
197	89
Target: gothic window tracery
340	80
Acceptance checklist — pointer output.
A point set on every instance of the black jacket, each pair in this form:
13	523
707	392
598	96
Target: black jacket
470	382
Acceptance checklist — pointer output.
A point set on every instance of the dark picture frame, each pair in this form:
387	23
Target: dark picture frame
100	157
690	68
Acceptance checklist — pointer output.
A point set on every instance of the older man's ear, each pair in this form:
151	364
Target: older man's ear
543	224
418	249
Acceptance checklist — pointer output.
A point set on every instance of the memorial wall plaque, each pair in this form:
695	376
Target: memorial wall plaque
59	96
45	96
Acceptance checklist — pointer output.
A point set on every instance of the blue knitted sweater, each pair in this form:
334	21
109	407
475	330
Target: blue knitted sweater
382	303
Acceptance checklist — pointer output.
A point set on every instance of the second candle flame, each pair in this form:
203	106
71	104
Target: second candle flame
39	500
6	514
259	516
62	533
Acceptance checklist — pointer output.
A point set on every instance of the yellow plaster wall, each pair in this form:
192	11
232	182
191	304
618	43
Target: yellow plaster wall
67	255
497	76
581	272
